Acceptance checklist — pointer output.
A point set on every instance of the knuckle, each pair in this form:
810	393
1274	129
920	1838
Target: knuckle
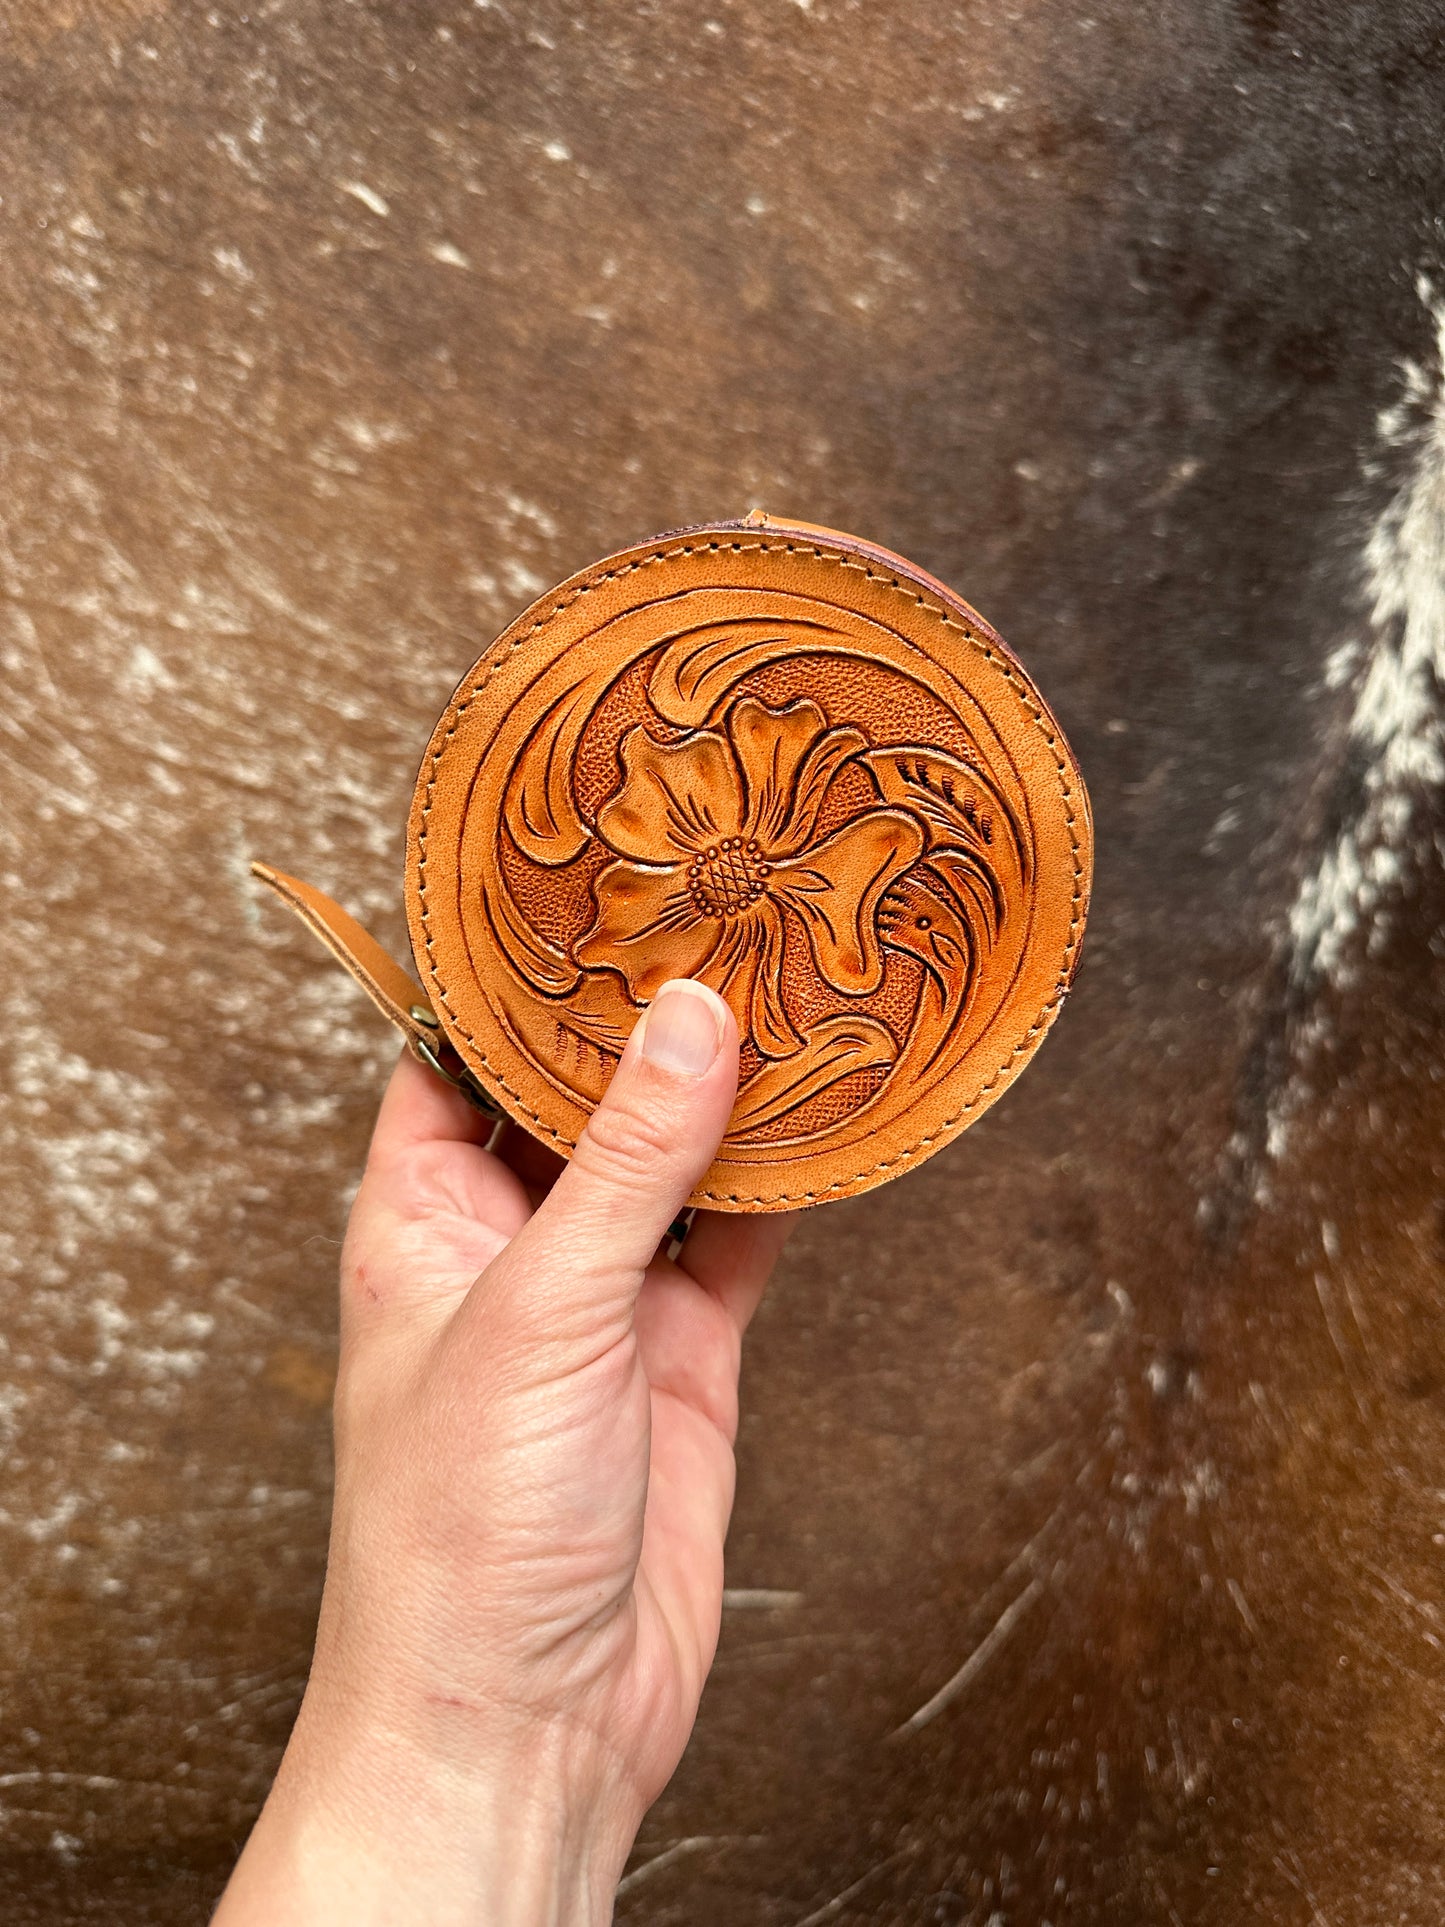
622	1144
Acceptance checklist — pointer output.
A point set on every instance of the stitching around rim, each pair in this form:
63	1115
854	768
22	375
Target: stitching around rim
1048	1011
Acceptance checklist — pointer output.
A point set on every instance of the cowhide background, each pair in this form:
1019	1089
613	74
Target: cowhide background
1115	1437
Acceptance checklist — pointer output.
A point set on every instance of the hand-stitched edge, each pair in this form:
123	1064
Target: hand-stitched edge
1048	1010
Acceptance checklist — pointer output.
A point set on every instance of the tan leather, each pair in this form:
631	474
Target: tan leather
788	763
775	758
389	987
394	992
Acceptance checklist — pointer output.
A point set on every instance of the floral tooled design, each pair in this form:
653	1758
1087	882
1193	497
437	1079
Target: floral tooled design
714	837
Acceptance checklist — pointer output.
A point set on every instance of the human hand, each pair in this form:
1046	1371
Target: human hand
535	1413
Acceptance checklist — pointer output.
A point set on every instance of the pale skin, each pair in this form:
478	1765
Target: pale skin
535	1414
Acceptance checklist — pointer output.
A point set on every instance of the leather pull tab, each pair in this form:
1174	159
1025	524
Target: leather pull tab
400	1000
389	987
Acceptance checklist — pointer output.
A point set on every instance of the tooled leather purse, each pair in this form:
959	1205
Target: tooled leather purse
774	758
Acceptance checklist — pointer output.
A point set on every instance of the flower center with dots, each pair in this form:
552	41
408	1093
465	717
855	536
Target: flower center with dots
728	877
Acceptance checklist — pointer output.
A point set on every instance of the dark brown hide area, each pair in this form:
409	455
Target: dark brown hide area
1114	1436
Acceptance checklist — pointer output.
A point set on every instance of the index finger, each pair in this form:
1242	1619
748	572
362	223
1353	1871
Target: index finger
418	1108
732	1256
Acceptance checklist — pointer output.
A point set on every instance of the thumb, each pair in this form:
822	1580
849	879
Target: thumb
645	1147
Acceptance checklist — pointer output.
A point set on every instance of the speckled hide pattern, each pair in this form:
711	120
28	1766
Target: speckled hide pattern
1087	1560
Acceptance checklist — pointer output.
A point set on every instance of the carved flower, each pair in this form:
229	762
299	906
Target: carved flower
715	838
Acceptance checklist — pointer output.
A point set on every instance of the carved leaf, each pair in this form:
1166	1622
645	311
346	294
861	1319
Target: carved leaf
961	809
701	663
540	810
833	1049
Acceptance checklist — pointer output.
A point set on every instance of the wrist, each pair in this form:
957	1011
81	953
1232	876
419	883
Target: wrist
377	1830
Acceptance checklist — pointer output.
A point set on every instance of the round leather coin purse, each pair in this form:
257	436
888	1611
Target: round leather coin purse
776	759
